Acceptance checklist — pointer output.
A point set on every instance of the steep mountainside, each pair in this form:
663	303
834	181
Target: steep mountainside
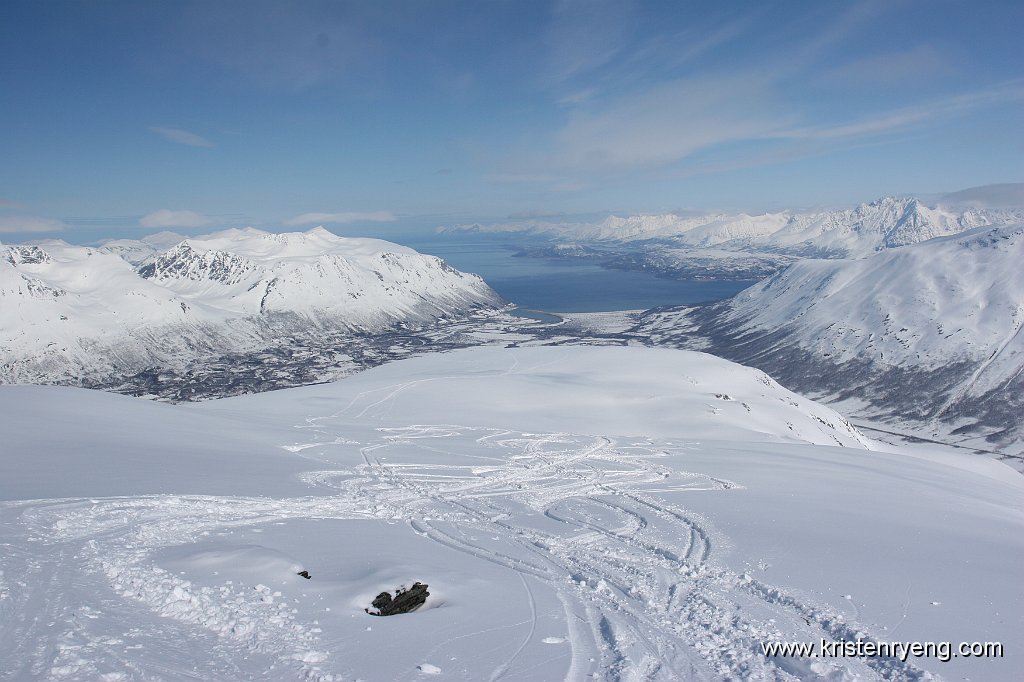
928	333
71	312
851	233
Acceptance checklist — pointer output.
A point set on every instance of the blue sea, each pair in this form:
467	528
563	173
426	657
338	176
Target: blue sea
557	285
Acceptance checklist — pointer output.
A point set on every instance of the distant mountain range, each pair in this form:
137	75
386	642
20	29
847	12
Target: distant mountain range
68	312
850	233
914	318
927	336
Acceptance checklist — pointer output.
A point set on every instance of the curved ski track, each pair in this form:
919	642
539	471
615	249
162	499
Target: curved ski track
643	596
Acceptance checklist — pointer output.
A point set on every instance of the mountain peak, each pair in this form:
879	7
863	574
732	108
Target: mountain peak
30	255
133	307
886	222
320	231
163	240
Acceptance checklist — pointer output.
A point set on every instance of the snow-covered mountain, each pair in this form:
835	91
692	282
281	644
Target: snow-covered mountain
139	251
73	311
928	333
849	233
611	513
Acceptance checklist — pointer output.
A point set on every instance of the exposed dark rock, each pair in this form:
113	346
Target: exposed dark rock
404	601
304	574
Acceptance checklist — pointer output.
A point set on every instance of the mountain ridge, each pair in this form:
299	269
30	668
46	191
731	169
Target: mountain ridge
74	311
887	222
927	334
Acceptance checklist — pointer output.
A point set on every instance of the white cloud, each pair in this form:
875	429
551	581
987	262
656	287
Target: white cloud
24	223
168	218
577	97
584	35
878	125
623	117
846	24
181	136
701	125
320	218
1006	195
920	62
667	123
901	119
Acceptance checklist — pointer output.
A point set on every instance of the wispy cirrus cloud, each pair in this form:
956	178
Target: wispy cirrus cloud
852	18
623	115
168	218
11	224
667	123
338	218
906	117
181	136
923	61
584	35
1004	195
874	130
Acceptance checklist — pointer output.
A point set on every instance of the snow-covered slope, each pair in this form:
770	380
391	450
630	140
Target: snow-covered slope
577	513
885	223
929	332
68	311
316	275
140	251
692	394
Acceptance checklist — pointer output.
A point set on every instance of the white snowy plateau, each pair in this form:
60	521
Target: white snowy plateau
926	336
849	233
615	513
69	312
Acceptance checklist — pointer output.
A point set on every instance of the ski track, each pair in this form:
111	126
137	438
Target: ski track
642	593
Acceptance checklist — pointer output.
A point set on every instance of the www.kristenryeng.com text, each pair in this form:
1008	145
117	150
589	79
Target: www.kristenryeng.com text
943	651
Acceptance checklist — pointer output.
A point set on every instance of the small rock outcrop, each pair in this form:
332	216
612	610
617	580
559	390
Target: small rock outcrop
404	601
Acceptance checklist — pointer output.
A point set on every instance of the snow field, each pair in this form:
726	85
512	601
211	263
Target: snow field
666	541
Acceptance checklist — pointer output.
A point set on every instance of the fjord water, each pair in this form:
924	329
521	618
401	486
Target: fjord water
563	285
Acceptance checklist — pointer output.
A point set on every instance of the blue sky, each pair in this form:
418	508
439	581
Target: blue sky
122	118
